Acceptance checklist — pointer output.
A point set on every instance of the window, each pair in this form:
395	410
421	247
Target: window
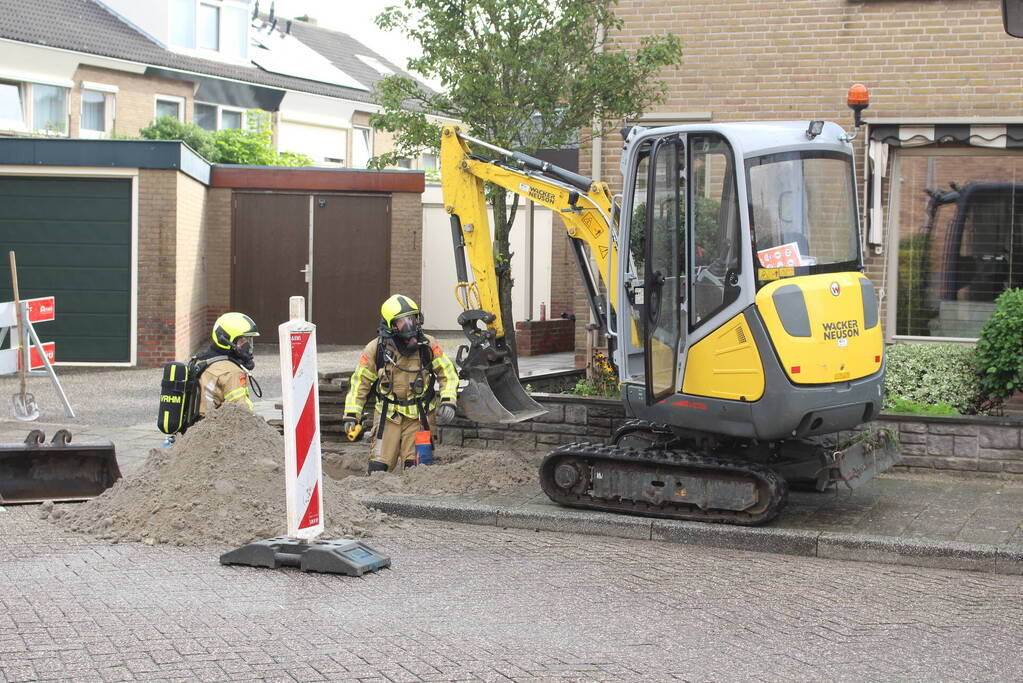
208	27
97	113
235	32
33	107
956	224
362	146
220	26
205	116
182	23
214	117
802	203
716	241
49	108
12	106
230	118
168	105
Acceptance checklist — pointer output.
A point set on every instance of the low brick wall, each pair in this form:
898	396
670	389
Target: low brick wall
533	337
569	418
976	444
971	444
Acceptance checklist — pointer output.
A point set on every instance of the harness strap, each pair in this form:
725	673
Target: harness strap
426	363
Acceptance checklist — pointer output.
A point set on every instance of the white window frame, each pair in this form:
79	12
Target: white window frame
222	40
355	131
180	101
221	108
220	116
27	104
109	109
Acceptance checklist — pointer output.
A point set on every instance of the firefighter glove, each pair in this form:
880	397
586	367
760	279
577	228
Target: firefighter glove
445	413
348	422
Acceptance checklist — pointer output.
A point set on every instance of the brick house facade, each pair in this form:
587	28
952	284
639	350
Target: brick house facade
926	63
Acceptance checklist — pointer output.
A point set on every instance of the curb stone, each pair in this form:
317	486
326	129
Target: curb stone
916	552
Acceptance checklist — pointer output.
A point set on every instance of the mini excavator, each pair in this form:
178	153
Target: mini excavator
728	278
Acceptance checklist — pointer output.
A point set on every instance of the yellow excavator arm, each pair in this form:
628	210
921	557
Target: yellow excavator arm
586	207
493	393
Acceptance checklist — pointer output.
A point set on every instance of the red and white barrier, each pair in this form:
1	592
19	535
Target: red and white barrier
299	383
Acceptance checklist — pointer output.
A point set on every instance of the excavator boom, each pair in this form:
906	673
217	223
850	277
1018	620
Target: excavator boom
493	393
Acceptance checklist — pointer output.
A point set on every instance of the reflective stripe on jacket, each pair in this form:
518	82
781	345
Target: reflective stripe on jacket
400	379
223	382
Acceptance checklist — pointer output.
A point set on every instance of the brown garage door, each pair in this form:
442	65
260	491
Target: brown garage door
351	261
351	265
271	246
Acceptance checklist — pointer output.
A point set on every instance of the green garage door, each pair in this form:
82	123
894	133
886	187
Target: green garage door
72	238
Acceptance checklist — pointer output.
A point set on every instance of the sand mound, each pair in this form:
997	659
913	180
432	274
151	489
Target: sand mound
221	483
492	471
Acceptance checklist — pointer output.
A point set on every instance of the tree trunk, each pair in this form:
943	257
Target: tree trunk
502	259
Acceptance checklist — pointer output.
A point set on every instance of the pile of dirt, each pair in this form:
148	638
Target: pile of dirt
221	483
462	471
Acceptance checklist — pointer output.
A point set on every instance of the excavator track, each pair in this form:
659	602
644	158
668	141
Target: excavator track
674	484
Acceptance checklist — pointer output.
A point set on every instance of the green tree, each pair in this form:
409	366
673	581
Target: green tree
521	74
170	128
253	145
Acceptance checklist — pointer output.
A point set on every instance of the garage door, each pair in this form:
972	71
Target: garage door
73	241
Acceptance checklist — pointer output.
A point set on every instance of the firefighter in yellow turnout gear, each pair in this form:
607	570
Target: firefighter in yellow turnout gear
413	381
226	378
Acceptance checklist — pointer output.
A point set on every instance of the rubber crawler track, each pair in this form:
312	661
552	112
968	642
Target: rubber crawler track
771	488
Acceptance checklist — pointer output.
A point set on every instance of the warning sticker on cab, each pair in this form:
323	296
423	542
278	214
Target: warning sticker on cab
768	274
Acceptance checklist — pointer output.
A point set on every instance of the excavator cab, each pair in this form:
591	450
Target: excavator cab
745	311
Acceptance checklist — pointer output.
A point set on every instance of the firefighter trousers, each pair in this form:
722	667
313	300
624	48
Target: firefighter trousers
398	442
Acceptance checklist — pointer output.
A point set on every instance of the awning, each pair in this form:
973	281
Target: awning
976	135
884	136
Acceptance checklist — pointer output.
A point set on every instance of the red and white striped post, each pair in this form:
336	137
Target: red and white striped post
303	475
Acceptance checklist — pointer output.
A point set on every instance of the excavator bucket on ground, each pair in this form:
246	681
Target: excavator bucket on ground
493	393
874	451
36	470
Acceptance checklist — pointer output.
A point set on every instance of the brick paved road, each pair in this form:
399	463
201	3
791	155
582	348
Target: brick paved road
478	603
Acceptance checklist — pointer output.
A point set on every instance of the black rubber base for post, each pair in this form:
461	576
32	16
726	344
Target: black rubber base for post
344	556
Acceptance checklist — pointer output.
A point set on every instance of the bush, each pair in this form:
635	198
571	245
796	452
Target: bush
603	380
170	128
925	375
1000	349
252	145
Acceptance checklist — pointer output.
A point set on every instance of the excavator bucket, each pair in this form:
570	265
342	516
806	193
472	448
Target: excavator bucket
35	471
873	452
493	393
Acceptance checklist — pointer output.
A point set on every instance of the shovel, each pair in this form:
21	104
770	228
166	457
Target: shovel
24	403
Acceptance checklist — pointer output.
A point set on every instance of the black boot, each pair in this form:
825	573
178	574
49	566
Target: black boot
376	466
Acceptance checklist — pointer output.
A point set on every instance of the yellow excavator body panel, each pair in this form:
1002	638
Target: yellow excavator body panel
725	364
824	327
